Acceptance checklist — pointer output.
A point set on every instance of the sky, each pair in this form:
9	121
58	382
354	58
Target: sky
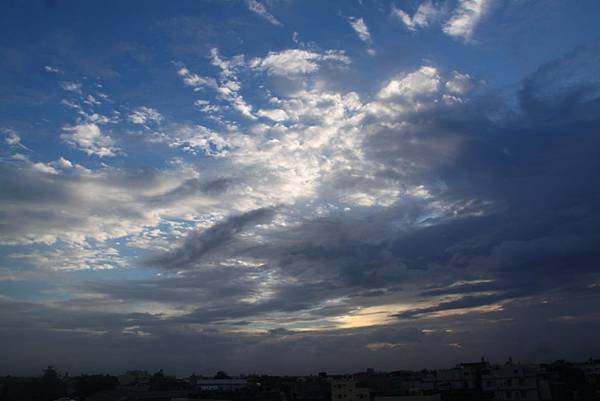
287	187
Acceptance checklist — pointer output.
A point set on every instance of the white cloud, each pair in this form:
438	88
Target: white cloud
71	87
194	80
425	14
63	163
92	101
229	86
193	139
460	83
256	7
297	61
420	90
55	70
144	115
89	139
44	168
359	26
424	81
466	17
273	114
12	138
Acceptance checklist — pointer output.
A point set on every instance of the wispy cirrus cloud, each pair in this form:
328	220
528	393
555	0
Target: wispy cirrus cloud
425	14
361	29
259	9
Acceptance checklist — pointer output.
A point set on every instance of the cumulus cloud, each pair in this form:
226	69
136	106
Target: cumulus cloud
465	18
90	139
459	83
258	8
424	81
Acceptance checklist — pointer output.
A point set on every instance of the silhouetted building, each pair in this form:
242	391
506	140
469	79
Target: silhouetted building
221	384
346	390
311	389
432	397
516	382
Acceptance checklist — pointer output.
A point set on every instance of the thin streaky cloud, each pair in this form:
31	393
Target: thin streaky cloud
361	29
258	8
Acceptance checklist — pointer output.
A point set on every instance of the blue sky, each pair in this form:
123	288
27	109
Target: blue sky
233	181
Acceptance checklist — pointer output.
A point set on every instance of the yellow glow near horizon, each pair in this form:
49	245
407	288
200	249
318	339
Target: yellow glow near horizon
370	316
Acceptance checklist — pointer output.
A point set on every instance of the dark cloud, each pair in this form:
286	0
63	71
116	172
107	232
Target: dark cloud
198	244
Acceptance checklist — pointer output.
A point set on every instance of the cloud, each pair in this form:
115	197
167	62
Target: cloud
193	139
425	14
297	61
460	84
361	29
425	81
11	137
465	18
90	139
198	244
227	86
194	80
258	8
337	221
55	70
144	115
273	114
73	258
71	87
